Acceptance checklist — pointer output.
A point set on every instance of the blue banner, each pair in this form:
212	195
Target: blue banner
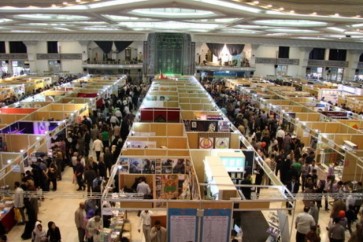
182	225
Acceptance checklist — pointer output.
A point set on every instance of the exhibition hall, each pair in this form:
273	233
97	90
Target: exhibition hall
185	120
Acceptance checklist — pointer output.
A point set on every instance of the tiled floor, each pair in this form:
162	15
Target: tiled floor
60	209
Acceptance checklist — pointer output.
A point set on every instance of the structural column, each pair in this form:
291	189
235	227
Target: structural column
303	61
31	47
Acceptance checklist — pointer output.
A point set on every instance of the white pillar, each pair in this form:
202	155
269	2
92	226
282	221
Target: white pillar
31	47
303	60
84	49
353	59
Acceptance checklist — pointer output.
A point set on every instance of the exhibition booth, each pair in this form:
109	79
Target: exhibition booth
11	167
29	84
333	133
59	112
6	119
194	169
353	102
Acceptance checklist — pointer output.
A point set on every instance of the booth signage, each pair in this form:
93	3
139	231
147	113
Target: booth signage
18	56
216	225
183	224
335	114
279	61
326	63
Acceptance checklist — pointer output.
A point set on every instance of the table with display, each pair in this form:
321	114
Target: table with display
7	218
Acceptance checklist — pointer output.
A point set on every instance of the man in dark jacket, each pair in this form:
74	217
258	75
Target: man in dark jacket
293	186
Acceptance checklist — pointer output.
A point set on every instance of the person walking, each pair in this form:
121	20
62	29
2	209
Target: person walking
336	231
303	223
97	146
39	234
78	171
89	176
145	222
53	233
80	220
158	233
19	201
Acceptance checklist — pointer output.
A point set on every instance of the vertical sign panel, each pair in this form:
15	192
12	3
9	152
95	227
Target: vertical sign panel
216	225
183	225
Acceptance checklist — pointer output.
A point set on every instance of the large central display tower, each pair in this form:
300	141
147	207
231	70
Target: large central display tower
169	53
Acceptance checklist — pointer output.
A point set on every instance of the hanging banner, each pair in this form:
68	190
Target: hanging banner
183	225
216	225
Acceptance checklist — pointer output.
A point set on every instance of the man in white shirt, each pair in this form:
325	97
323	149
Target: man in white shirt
19	201
114	120
303	223
145	222
143	187
280	135
94	228
97	146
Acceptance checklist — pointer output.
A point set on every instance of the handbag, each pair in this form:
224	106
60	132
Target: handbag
17	213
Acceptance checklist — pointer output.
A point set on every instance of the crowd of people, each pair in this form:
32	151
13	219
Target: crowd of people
91	147
291	160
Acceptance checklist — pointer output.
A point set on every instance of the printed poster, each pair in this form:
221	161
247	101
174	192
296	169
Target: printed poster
206	142
216	225
222	143
183	225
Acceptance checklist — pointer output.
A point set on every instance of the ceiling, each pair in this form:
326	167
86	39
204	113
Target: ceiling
335	20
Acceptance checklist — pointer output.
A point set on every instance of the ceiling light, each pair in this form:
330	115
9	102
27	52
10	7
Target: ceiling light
34	24
100	28
276	34
62	29
230	5
5	20
336	29
51	17
357	25
352	32
239	31
113	3
255	2
269	6
168	25
337	36
226	20
251	26
172	13
90	23
286	30
65	3
313	13
281	9
290	23
336	14
120	18
357	16
292	11
310	38
75	7
25	31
